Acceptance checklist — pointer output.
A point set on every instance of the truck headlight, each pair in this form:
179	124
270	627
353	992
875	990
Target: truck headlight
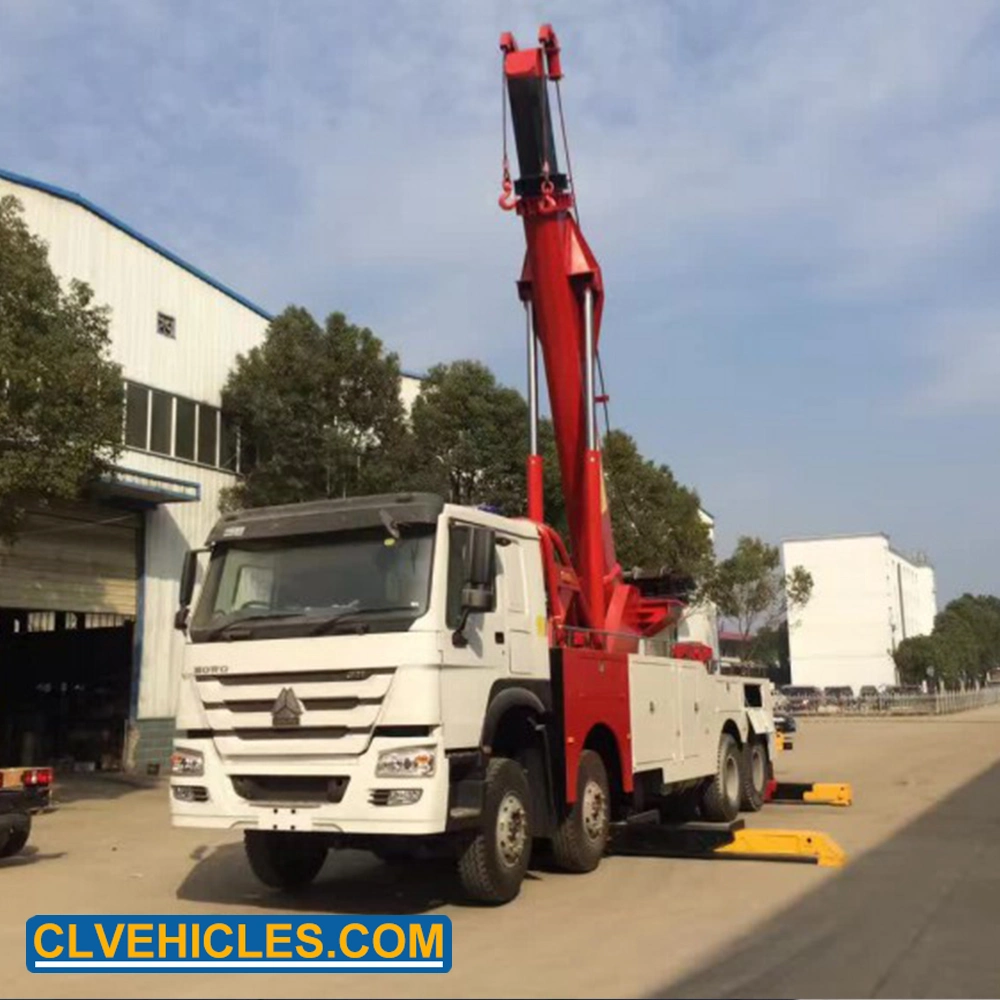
187	763
406	762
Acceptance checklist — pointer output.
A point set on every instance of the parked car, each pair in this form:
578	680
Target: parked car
842	695
802	698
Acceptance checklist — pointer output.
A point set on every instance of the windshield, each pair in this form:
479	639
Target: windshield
302	584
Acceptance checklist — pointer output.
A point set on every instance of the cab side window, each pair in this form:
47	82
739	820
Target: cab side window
458	547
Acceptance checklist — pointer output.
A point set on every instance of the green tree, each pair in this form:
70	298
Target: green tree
751	590
771	647
470	438
921	658
318	409
657	521
61	398
960	648
963	647
982	614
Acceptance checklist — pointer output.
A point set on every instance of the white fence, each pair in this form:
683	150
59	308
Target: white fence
942	703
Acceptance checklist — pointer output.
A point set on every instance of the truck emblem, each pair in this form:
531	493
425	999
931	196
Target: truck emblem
286	710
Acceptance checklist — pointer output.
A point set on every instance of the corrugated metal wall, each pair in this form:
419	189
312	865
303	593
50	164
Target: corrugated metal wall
210	328
170	530
137	283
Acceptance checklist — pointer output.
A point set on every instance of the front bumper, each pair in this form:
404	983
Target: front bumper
357	812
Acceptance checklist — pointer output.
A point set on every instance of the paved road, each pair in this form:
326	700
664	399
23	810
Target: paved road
913	914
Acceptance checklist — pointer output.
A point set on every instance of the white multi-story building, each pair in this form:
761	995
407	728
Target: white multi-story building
867	598
89	658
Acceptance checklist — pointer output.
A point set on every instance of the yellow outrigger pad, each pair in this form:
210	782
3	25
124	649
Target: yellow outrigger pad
728	841
809	846
815	793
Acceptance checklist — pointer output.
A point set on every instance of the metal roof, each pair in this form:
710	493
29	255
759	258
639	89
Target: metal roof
84	203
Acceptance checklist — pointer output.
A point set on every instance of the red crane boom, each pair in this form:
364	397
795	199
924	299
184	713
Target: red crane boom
563	292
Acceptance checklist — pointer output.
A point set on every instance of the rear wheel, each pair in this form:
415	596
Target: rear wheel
493	865
754	775
284	860
720	799
19	830
582	837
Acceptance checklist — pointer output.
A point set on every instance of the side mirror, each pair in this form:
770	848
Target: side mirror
477	598
480	561
480	577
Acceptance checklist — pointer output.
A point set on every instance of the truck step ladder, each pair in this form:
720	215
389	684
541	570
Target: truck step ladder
727	841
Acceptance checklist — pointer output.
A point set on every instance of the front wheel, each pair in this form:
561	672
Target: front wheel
493	865
284	860
582	837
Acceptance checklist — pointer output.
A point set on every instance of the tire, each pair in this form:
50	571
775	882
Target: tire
720	799
17	836
284	860
493	865
754	775
582	837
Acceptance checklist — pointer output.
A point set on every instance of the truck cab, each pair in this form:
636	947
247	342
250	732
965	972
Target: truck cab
343	656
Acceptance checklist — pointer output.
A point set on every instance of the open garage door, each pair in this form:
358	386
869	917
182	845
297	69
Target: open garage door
68	596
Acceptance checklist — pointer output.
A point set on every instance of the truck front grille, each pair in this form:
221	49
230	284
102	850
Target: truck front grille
290	788
248	713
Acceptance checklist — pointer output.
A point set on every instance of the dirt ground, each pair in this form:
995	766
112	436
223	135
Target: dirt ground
913	914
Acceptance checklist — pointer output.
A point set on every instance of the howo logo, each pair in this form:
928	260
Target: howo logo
287	709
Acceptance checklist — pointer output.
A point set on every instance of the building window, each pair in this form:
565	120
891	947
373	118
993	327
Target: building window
184	436
165	424
137	416
166	325
229	457
161	426
208	435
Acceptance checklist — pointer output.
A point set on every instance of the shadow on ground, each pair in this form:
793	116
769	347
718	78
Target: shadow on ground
915	917
70	788
350	882
30	855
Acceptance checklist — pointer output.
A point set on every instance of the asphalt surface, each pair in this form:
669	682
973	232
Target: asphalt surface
913	914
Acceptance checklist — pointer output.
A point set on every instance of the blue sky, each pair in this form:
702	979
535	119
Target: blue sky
796	207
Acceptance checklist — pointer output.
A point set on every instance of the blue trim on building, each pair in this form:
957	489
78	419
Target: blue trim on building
89	206
157	477
147	487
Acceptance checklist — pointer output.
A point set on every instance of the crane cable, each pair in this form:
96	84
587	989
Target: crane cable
507	200
569	164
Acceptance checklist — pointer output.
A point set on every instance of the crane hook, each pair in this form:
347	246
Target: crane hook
507	200
548	203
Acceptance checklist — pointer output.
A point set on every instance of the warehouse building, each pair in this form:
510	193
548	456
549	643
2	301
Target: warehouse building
89	658
867	598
